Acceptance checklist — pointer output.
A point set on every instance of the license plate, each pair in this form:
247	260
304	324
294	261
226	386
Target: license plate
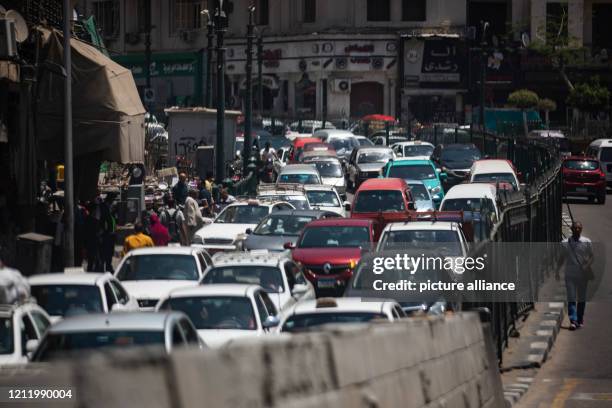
326	283
582	189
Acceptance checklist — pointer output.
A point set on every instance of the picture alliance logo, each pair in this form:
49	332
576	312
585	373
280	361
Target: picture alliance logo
412	264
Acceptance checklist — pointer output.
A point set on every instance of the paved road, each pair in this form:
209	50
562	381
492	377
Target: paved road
579	372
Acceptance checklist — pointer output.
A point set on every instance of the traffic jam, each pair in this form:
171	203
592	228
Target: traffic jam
284	260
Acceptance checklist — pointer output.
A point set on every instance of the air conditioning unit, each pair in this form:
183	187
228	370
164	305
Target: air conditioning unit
8	41
342	85
188	36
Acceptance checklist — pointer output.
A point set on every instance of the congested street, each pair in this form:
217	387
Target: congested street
282	203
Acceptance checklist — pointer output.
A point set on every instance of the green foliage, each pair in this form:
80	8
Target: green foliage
547	105
589	96
523	99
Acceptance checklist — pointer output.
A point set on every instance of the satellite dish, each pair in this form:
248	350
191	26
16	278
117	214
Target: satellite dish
525	40
21	28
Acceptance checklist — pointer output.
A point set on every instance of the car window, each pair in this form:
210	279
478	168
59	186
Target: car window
67	300
191	336
271	309
202	260
28	332
261	308
40	321
398	310
177	336
159	267
120	293
291	270
110	296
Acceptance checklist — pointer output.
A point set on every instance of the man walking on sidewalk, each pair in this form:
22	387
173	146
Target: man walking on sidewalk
578	272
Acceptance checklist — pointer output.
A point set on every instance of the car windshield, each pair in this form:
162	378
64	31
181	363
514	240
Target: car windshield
606	154
282	225
379	200
344	145
414	172
494	178
215	312
268	277
299	178
303	322
418	150
242	214
581	165
6	336
419	192
443	239
380	156
59	343
323	198
365	142
68	300
335	236
460	154
159	267
464	204
329	169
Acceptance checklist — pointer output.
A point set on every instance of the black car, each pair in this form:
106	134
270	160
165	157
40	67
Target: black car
366	162
455	160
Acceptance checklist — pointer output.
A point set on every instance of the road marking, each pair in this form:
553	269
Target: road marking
593	396
565	392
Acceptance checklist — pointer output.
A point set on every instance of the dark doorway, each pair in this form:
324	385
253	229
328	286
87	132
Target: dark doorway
602	29
367	98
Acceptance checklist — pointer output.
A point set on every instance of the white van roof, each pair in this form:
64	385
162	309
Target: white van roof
601	143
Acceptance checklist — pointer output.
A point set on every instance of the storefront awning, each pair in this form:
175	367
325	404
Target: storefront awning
108	115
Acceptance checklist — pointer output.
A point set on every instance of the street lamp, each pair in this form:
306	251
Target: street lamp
220	28
248	103
210	34
260	71
483	73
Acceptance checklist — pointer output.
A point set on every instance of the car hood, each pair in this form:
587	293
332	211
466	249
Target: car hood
271	243
320	256
218	338
224	231
370	166
154	289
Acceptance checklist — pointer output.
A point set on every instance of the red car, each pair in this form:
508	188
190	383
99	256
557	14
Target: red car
329	250
384	201
583	176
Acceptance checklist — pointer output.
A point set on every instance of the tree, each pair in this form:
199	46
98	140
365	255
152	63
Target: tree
589	97
524	99
547	105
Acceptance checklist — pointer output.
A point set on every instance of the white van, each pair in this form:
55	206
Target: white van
554	137
601	149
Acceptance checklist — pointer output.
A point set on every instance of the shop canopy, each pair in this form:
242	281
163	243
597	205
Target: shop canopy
108	115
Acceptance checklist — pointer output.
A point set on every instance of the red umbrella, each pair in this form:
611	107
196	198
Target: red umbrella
378	118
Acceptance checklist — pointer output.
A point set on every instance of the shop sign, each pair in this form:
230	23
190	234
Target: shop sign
359	48
162	65
440	61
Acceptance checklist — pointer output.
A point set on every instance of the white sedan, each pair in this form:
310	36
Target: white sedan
222	313
22	326
69	294
148	274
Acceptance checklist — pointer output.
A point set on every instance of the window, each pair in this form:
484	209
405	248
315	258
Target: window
40	321
68	300
379	10
310	11
261	309
263	12
556	23
269	304
120	293
107	17
177	337
27	332
414	10
190	334
185	15
110	296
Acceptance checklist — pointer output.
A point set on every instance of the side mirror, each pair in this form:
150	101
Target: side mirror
438	170
249	231
299	289
347	206
289	245
118	307
31	346
270	322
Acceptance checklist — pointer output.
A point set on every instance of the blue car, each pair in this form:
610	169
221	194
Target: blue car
421	169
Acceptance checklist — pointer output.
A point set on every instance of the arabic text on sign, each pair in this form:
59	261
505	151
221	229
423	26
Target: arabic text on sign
360	60
359	48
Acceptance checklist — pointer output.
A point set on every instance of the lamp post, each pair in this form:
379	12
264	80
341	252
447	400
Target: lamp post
68	164
248	103
210	35
220	24
260	73
483	73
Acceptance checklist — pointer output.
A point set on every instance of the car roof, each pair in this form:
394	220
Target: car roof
234	289
471	190
258	202
299	169
115	321
548	133
301	213
257	257
413	143
410	161
300	142
169	250
383	184
317	159
340	222
82	278
372	148
491	166
319	187
601	142
422	226
458	146
335	132
346	304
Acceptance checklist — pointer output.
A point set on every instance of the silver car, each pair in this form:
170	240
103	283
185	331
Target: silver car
300	174
331	172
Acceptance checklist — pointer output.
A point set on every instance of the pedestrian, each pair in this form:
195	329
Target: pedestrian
206	199
159	233
578	272
92	237
193	216
268	153
225	199
137	240
172	218
108	226
180	191
209	181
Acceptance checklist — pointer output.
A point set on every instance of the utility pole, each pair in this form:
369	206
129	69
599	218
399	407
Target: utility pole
220	27
248	103
483	73
68	163
148	28
260	74
210	35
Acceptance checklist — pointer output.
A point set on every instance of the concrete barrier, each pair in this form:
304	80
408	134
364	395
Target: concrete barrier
437	362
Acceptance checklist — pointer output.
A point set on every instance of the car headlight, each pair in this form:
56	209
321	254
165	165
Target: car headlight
436	190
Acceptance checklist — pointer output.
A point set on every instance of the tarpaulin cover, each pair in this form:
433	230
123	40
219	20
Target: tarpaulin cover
108	115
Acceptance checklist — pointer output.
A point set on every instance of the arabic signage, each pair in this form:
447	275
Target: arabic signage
437	60
271	58
365	48
162	65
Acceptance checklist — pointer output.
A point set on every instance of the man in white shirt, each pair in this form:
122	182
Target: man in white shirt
578	272
193	216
